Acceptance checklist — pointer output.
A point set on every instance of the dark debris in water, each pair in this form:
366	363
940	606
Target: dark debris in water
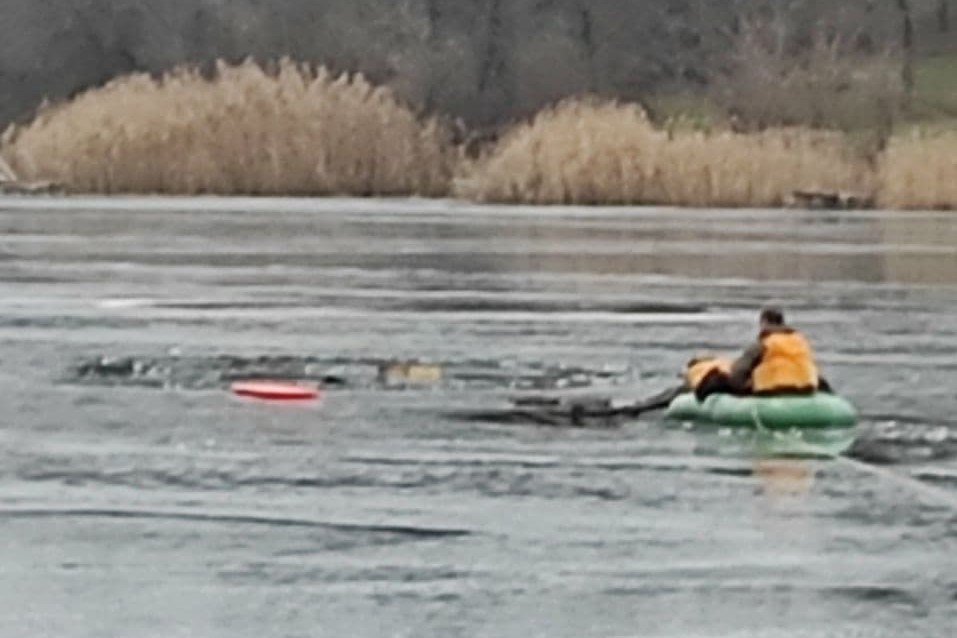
877	594
577	412
198	373
217	372
408	531
525	305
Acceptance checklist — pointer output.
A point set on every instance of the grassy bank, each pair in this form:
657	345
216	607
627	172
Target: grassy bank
295	130
935	88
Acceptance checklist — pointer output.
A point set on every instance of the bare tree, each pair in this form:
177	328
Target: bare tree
907	47
777	78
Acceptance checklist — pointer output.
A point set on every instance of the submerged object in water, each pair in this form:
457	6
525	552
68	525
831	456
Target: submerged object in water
819	424
409	373
274	391
573	412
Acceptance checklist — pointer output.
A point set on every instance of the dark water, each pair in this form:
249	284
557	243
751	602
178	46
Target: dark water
138	498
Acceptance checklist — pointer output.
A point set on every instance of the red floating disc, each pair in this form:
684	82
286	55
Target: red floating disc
274	391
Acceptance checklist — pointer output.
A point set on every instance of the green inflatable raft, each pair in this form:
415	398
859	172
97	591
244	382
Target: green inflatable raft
817	411
815	425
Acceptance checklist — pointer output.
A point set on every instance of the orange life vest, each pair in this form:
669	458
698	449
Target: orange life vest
697	371
787	364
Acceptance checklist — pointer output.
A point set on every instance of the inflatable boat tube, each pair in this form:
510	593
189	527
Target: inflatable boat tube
817	411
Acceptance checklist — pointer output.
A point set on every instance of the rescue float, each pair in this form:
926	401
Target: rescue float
274	391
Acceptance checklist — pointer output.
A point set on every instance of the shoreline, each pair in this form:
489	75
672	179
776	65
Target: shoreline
399	205
297	130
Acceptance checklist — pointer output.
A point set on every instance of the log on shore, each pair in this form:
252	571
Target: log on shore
829	200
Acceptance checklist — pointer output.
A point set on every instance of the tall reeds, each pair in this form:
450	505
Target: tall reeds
294	130
583	152
919	171
244	130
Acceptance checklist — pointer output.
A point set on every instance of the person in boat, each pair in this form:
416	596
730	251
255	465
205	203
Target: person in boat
780	362
699	369
702	369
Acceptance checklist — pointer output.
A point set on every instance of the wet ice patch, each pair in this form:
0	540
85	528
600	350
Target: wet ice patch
197	372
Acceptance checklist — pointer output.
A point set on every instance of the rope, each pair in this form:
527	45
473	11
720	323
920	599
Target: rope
930	492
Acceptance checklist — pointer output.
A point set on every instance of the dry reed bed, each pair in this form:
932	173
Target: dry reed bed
919	171
589	152
294	130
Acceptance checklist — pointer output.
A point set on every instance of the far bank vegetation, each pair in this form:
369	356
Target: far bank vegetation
819	118
286	130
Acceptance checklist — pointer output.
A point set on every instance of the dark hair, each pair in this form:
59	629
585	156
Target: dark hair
699	358
772	316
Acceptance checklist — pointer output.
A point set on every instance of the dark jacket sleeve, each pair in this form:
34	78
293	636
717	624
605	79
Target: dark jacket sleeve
745	364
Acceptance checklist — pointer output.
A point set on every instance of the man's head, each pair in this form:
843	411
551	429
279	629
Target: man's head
771	318
699	358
